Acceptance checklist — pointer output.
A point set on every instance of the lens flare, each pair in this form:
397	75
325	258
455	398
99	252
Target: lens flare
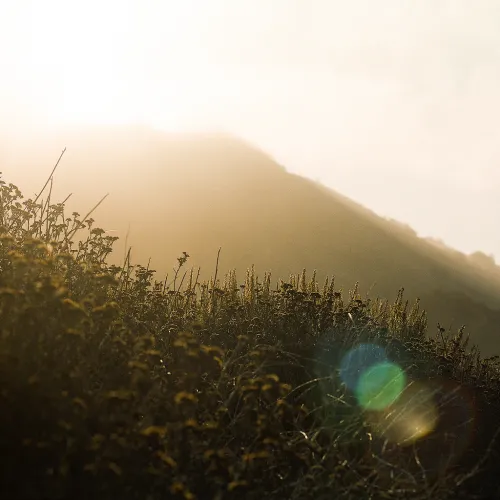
357	361
380	386
413	416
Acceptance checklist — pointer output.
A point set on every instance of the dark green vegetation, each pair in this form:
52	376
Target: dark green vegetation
116	385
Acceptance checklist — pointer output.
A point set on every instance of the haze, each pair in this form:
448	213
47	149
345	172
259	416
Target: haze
393	103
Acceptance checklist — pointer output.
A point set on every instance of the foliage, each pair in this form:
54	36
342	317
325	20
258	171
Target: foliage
113	384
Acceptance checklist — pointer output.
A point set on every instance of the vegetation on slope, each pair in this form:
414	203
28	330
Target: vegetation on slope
116	385
200	193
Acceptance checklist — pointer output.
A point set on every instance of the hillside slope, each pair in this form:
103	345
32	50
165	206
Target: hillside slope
196	193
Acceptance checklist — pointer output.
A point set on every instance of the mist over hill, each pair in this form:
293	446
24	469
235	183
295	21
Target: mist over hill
170	193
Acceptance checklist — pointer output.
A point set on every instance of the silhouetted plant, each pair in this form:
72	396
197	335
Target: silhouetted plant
113	384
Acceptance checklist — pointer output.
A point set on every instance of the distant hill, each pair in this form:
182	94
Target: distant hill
199	192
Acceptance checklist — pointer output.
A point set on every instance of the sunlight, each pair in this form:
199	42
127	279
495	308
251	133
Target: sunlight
88	64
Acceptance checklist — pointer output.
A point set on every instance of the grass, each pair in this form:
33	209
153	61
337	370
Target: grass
116	385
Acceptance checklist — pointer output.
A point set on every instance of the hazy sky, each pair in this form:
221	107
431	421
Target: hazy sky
394	103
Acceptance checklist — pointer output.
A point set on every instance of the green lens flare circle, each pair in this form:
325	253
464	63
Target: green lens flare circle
380	386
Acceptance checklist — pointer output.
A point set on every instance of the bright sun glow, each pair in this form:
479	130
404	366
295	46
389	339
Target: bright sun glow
355	93
87	62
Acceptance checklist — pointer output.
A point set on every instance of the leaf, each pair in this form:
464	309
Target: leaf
115	468
154	429
167	459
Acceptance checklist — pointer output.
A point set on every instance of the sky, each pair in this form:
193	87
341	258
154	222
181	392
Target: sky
394	103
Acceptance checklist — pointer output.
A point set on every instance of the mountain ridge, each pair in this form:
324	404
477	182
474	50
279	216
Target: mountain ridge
198	192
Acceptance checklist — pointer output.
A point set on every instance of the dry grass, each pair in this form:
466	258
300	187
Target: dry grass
116	385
